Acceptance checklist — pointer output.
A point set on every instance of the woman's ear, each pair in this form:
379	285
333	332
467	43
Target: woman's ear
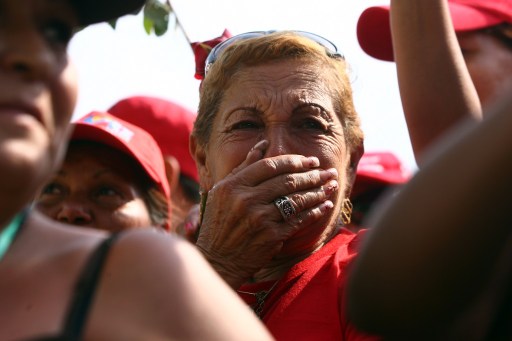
355	156
172	172
198	152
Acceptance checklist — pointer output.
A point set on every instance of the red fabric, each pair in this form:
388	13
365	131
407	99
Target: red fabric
202	49
169	123
374	34
307	302
379	169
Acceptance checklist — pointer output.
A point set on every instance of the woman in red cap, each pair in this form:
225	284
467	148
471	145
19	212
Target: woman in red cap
113	178
62	283
170	124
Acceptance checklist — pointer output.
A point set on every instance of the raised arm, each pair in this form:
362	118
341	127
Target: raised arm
435	85
433	247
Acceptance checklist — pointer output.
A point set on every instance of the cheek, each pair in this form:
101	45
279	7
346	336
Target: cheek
224	157
133	214
490	75
64	92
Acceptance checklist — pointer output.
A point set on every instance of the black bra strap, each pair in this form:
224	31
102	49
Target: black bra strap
85	289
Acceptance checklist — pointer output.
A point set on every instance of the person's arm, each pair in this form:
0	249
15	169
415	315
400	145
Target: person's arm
433	247
435	85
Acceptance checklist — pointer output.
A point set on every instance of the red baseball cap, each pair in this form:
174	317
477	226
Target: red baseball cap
95	11
169	123
111	131
379	169
374	34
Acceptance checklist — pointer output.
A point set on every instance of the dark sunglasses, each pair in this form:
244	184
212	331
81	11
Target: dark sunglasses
331	49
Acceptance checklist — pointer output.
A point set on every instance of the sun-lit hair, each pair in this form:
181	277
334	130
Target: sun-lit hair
276	47
157	206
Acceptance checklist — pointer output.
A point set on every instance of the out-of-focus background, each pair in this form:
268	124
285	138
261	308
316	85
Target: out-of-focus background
127	61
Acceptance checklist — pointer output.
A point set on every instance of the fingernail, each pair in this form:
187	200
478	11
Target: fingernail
311	162
330	173
331	187
326	206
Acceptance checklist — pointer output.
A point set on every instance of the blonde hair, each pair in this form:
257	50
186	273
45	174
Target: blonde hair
274	47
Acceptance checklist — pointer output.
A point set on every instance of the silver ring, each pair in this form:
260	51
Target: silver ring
285	207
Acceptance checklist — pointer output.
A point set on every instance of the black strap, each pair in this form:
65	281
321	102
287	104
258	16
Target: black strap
85	289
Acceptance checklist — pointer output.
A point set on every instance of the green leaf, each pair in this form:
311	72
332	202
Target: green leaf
148	25
113	23
158	13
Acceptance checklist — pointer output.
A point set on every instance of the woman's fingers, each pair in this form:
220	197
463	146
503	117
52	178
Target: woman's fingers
306	199
306	218
256	153
264	169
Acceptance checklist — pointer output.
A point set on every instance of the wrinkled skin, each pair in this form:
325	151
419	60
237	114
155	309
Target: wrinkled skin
96	187
276	133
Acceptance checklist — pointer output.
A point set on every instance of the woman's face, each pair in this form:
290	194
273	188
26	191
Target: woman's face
96	187
489	63
288	103
37	90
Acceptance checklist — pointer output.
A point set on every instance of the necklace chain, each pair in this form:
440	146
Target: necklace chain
260	297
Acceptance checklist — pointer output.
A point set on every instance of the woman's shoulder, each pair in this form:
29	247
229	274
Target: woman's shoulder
163	284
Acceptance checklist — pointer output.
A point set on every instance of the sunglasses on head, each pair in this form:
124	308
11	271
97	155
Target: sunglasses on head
331	49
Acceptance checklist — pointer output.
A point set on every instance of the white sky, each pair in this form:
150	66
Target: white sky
113	64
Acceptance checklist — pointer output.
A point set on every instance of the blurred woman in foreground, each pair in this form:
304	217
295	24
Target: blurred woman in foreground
68	283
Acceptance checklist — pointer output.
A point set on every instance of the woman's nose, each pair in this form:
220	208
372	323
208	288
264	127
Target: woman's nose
74	213
26	54
279	142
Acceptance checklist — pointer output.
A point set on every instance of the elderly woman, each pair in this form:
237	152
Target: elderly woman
113	178
277	141
80	284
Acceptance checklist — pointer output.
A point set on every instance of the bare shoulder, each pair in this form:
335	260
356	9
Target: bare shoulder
155	283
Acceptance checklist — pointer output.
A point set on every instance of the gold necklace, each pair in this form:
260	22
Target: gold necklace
260	297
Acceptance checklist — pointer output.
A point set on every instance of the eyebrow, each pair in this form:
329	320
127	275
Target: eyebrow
102	172
323	112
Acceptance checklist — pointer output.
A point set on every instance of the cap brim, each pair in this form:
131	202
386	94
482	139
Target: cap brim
92	133
365	182
95	11
87	132
374	33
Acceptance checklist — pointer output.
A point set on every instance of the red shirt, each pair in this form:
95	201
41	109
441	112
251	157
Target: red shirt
306	303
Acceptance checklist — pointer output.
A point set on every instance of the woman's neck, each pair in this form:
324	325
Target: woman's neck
281	264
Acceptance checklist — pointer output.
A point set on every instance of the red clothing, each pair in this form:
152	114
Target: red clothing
306	303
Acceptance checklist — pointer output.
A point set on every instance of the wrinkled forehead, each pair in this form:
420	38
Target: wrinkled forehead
294	77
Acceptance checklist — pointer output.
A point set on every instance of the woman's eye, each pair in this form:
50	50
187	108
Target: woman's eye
245	125
313	125
52	189
58	32
107	192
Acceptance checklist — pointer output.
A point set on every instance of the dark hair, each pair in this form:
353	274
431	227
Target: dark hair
502	32
190	187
